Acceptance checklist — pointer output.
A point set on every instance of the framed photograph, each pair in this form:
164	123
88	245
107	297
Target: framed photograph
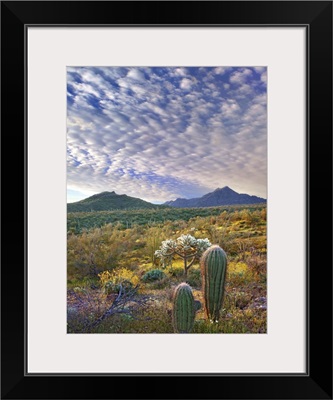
168	165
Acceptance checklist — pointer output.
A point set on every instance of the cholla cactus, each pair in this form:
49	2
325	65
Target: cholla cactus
183	310
168	245
213	270
186	247
186	241
202	245
166	251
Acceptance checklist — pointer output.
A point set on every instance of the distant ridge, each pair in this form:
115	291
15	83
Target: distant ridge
108	201
219	197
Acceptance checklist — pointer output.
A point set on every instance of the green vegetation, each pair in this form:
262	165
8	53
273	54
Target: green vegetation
116	284
78	222
153	275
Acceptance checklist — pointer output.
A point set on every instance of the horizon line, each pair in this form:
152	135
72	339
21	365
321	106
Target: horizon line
157	202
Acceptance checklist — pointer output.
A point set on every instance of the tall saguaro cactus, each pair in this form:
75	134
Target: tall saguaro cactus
183	311
213	270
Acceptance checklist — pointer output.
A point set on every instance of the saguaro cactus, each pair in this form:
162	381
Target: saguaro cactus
213	269
183	311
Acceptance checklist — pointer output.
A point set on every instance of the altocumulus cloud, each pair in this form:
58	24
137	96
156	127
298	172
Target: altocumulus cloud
162	133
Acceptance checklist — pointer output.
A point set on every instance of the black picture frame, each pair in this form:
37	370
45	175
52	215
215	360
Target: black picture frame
316	383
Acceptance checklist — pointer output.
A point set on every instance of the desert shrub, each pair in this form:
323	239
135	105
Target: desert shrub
99	249
76	321
153	319
160	284
175	270
168	293
153	275
238	273
263	214
111	287
194	278
154	239
111	281
242	299
257	263
88	310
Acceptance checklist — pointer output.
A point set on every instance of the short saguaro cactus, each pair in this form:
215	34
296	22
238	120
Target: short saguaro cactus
213	269
183	310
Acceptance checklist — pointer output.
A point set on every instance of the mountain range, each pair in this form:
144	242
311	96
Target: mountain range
107	201
220	197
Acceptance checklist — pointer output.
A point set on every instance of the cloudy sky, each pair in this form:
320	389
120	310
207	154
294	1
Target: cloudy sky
162	133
